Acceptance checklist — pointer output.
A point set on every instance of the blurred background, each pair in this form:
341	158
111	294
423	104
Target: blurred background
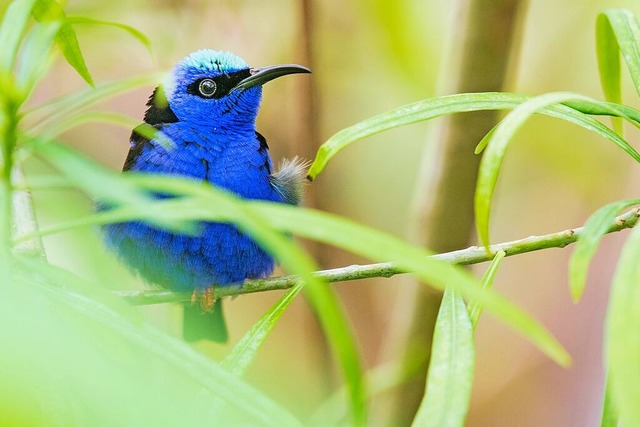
368	57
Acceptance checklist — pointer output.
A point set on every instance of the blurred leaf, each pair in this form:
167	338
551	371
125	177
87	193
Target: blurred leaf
622	341
243	353
435	107
379	246
626	29
594	229
123	189
608	64
450	375
84	117
50	10
292	258
55	113
83	360
501	137
90	177
610	416
474	308
12	28
333	230
35	56
5	229
137	34
381	379
343	343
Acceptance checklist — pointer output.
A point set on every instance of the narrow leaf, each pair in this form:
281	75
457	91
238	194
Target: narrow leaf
610	416
137	34
35	56
244	352
594	230
625	26
474	308
51	113
498	142
435	107
12	28
609	64
450	375
105	185
605	109
75	322
353	237
84	117
622	340
50	10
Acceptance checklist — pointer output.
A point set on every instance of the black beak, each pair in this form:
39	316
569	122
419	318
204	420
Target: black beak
260	76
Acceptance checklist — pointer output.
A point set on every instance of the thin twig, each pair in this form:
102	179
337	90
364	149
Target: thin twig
471	255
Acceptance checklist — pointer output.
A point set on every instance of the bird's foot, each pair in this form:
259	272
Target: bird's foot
207	299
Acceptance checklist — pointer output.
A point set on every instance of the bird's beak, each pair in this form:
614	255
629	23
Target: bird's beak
260	76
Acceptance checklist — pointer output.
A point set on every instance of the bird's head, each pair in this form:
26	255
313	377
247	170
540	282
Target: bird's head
219	88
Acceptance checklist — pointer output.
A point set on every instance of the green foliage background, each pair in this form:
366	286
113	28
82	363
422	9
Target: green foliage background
75	353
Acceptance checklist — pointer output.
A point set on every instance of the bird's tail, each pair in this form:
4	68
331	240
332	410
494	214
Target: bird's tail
199	325
290	178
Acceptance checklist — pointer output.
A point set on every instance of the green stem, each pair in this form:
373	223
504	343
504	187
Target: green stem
24	218
8	142
471	255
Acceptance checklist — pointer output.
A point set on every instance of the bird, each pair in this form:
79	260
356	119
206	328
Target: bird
207	108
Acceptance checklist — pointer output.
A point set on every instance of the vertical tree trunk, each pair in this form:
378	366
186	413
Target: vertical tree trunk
443	208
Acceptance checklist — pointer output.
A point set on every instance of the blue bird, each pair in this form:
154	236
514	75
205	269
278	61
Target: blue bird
207	108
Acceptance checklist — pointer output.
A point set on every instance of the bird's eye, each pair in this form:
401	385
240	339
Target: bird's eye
207	88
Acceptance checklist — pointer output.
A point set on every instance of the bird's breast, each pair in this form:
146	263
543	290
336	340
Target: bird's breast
234	161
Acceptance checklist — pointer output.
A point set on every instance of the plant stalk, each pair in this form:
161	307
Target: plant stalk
470	255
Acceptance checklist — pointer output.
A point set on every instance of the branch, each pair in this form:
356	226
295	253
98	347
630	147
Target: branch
471	255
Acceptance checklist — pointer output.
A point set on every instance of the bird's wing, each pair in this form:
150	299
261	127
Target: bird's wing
157	115
138	143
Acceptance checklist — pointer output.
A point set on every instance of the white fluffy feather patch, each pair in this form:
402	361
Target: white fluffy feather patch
290	179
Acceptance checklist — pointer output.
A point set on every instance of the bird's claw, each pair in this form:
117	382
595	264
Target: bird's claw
207	299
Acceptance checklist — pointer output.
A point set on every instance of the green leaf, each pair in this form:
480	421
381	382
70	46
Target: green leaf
104	185
50	10
435	107
254	222
342	341
12	28
610	416
35	57
605	109
622	340
378	246
243	353
83	117
145	377
90	177
608	64
339	232
137	34
55	113
501	136
450	375
625	26
474	308
594	230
